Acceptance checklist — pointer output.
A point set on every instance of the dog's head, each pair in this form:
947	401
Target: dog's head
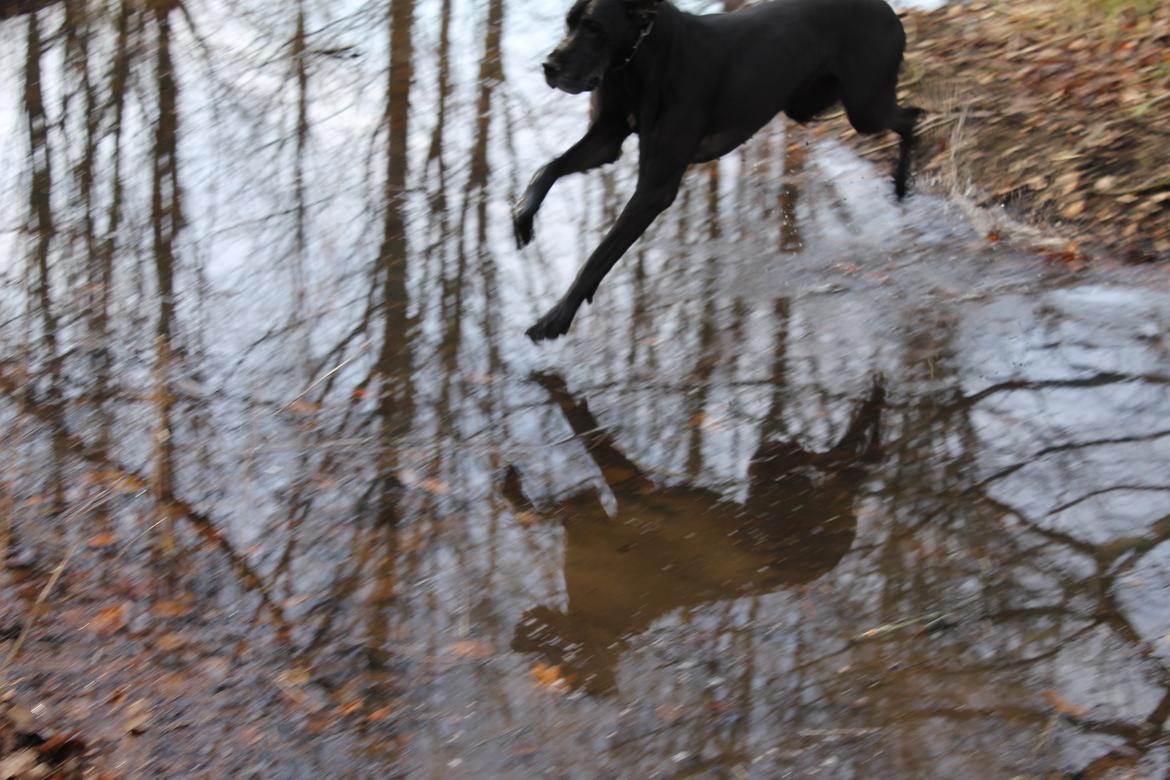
600	35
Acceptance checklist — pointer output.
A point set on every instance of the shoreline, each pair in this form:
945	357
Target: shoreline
1051	127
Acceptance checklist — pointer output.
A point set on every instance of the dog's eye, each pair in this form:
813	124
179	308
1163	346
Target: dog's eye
592	27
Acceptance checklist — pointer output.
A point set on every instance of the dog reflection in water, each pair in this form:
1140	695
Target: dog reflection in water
673	547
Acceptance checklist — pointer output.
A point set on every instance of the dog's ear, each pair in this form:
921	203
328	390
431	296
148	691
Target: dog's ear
643	9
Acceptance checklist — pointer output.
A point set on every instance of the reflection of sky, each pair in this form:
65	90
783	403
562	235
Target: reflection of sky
909	290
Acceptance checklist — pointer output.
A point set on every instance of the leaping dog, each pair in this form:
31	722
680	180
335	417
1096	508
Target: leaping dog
695	87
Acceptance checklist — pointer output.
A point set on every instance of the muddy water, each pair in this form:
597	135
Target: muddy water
820	485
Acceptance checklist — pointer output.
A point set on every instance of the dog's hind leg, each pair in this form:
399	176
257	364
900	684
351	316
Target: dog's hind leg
904	123
813	98
871	104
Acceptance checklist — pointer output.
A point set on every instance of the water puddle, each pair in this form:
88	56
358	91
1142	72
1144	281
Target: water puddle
820	484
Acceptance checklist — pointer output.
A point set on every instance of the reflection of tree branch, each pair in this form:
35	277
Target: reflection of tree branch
1041	717
1067	447
174	506
13	8
1059	537
1097	380
1110	489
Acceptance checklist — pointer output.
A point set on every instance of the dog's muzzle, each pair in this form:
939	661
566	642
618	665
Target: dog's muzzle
556	78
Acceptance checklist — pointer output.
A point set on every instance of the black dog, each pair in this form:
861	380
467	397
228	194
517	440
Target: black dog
695	87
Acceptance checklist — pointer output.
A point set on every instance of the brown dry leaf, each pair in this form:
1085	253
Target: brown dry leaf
298	676
380	714
413	479
670	713
1066	183
1073	210
112	619
118	480
21	718
216	668
1062	705
550	677
171	642
1105	183
171	609
102	541
19	763
526	518
138	717
470	650
436	486
349	708
301	406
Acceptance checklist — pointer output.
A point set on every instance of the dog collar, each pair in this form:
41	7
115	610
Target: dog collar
641	37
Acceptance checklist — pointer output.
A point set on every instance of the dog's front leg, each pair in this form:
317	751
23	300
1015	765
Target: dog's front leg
657	186
601	144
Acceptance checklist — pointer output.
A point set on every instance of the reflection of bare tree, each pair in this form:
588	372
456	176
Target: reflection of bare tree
11	8
393	368
945	608
166	219
44	230
795	154
708	356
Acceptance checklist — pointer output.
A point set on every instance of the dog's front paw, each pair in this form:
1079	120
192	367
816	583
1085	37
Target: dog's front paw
522	223
554	324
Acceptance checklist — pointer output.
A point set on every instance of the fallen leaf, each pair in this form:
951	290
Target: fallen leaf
379	714
1063	705
526	518
21	718
349	708
412	478
436	486
102	541
171	609
550	677
298	675
139	717
301	406
1073	210
171	642
18	764
1105	183
470	650
111	620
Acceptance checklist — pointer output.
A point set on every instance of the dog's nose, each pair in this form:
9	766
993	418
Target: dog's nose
551	69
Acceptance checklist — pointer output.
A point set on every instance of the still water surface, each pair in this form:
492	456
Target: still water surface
820	484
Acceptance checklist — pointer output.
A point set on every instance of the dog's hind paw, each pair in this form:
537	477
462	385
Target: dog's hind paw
554	324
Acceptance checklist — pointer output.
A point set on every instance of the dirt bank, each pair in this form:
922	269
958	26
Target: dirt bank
1062	117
